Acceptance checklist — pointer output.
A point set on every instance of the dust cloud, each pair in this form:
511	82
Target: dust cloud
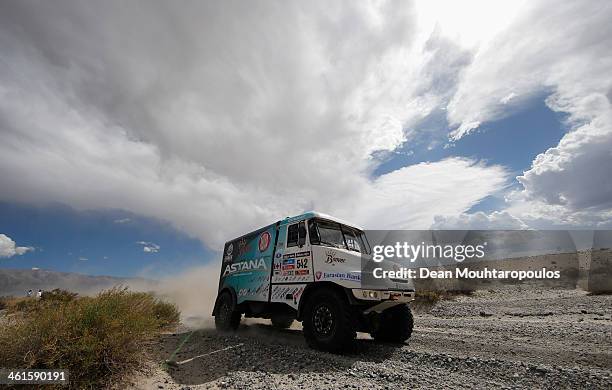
194	291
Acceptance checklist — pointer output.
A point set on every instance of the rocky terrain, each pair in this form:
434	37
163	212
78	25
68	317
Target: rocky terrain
513	337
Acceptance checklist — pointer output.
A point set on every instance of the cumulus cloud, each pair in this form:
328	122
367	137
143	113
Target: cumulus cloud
565	51
149	247
214	116
8	247
548	47
539	214
497	220
219	117
573	173
410	198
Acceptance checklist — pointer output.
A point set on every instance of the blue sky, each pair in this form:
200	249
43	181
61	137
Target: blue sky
247	114
513	141
100	242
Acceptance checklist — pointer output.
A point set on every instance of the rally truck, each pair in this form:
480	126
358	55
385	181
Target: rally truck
309	268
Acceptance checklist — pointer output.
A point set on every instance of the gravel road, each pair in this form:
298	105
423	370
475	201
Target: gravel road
509	338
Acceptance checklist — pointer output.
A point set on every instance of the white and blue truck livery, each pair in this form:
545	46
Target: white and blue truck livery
309	268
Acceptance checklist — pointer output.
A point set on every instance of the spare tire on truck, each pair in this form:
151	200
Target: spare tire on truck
327	321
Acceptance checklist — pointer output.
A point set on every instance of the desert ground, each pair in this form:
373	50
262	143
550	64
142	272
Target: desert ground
510	337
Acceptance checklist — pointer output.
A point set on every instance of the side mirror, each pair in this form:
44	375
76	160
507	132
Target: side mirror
301	234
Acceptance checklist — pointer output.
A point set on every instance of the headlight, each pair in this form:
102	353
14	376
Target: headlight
367	294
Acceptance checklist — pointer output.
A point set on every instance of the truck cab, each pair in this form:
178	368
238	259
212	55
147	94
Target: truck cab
311	268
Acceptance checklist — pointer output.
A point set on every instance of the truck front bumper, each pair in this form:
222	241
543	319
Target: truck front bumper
386	298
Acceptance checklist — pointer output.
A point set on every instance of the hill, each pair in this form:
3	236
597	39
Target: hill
18	281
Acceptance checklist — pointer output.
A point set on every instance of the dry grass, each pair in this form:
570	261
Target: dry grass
99	339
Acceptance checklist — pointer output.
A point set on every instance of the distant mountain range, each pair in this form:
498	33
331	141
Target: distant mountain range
17	281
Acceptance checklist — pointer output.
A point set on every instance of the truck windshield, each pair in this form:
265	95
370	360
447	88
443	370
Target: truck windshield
323	232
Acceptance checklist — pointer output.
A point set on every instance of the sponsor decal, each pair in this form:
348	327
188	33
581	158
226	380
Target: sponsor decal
278	255
264	241
247	265
297	294
287	273
302	272
298	254
244	292
288	266
341	275
243	246
332	258
228	253
318	275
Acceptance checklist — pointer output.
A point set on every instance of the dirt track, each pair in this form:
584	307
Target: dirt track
511	338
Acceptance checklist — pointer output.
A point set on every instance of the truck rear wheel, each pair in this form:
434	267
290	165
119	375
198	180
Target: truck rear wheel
281	321
395	325
327	323
226	318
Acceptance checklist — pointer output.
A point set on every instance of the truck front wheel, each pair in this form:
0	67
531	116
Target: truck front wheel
395	325
226	318
327	323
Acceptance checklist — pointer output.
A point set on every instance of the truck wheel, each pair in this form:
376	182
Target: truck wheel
395	325
327	323
227	318
281	321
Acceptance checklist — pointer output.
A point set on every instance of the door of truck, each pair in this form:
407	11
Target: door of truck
293	258
292	263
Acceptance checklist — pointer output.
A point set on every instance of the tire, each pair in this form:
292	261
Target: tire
281	321
327	321
395	325
227	319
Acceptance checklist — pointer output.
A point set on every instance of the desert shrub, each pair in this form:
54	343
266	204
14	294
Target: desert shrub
23	305
28	304
58	295
428	296
167	314
99	339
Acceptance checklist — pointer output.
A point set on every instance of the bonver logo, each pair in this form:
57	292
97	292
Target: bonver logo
332	258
